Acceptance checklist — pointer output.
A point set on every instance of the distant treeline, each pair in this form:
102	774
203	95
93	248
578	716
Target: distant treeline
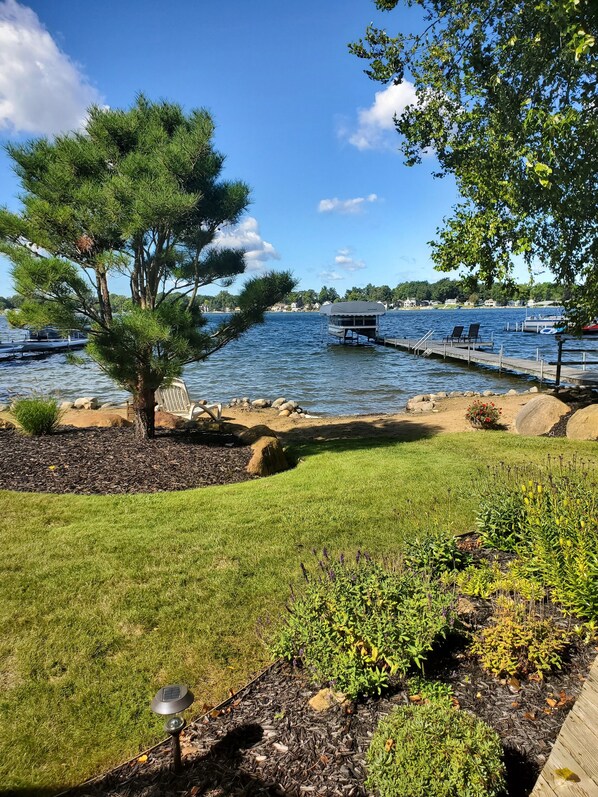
420	290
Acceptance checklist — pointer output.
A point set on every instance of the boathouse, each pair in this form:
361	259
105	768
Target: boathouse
348	321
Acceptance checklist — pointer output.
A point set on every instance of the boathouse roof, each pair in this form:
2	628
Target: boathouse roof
353	308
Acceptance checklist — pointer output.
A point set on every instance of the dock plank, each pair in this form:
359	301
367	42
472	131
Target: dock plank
576	748
476	354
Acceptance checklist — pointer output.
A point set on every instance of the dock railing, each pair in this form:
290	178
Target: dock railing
419	345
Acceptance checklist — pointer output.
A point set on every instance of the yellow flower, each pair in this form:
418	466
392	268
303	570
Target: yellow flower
539	488
51	467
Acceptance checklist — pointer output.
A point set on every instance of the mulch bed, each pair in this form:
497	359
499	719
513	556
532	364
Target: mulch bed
110	461
266	740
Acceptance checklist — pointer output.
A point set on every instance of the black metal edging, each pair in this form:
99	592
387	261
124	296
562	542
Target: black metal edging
219	707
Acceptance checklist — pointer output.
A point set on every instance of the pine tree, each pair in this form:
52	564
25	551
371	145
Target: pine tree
137	193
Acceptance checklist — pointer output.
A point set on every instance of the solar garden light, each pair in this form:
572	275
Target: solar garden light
172	700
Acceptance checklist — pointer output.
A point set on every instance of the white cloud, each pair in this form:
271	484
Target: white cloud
349	206
41	90
375	125
246	235
331	275
345	260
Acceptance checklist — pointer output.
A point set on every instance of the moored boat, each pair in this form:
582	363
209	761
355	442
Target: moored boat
8	351
541	323
46	341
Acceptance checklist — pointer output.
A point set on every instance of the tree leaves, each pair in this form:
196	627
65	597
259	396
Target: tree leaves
508	105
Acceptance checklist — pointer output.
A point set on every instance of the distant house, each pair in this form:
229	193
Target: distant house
410	303
451	301
490	303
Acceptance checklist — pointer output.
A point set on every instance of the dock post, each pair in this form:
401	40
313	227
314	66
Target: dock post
541	371
559	359
500	359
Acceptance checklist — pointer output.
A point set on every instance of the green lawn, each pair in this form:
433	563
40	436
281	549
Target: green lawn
104	599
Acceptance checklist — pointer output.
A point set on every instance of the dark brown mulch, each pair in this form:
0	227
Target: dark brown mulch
106	461
266	740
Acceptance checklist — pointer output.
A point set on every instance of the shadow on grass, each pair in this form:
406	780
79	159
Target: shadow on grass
340	435
219	770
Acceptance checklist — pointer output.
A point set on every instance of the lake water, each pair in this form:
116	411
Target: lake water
291	355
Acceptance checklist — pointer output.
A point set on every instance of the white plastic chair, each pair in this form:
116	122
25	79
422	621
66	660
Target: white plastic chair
175	399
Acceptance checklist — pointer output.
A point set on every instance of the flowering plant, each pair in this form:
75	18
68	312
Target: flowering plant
483	414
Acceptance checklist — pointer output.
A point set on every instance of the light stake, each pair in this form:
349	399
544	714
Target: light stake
172	700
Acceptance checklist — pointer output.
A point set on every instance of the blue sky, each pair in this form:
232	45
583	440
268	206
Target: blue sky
296	118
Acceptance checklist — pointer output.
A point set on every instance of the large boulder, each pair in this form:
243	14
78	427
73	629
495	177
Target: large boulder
260	404
166	420
583	424
268	457
112	420
422	403
288	405
539	415
250	436
86	403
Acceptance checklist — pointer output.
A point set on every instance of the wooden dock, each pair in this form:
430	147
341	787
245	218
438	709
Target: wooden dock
478	354
572	767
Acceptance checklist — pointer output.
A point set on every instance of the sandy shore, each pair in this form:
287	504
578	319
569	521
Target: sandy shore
447	416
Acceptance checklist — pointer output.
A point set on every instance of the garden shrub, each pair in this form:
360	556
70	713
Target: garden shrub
436	552
518	641
501	517
423	690
483	414
37	415
357	624
560	542
486	579
436	751
551	522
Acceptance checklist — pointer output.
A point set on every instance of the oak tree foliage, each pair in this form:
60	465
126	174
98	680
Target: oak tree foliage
507	101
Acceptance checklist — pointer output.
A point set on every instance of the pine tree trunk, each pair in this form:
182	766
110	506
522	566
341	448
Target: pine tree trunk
144	401
104	297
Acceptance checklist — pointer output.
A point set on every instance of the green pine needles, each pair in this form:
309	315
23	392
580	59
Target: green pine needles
139	193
